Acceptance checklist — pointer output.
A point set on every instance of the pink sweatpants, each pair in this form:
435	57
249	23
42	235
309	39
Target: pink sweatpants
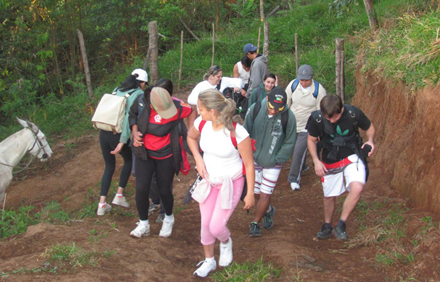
214	218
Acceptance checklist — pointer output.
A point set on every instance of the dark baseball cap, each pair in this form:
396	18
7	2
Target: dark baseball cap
277	98
249	48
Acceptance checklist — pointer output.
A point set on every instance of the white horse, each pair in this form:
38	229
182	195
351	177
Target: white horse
12	149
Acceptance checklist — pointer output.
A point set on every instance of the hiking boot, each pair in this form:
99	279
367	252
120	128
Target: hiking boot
205	268
140	230
255	230
294	186
268	218
160	218
102	210
340	233
226	256
326	231
167	228
153	207
120	201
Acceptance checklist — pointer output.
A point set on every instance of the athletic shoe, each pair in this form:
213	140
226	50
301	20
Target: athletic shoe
104	209
226	256
268	218
294	186
140	230
120	201
205	268
153	207
255	230
160	218
340	233
326	231
167	228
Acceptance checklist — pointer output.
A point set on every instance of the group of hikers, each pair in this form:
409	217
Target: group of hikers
242	129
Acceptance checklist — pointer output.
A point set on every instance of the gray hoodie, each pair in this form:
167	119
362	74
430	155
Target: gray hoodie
257	73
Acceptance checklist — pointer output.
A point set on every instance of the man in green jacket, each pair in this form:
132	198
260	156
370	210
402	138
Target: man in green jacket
274	129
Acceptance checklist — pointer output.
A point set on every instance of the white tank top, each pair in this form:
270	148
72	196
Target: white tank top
243	74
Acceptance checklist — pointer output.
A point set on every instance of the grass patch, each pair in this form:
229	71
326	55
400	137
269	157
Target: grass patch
248	271
17	222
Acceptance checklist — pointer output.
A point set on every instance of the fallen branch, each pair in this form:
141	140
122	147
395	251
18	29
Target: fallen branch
189	30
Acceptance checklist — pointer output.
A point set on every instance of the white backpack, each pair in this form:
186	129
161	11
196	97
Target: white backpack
110	112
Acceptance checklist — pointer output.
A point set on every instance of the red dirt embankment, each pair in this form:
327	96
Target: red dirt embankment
407	136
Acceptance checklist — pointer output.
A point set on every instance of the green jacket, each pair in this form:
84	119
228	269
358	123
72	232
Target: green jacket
126	131
272	145
259	91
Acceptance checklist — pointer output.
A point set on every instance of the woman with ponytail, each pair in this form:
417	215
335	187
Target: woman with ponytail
222	171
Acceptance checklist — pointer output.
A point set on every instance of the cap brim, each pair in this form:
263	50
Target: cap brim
168	113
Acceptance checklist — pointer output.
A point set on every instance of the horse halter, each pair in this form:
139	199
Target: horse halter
40	143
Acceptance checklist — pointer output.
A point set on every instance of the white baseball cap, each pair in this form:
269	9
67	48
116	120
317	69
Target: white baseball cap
140	74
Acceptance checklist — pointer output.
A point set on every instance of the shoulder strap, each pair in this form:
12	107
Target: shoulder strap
131	92
295	84
353	117
257	107
219	85
317	116
233	136
284	120
201	125
258	93
315	93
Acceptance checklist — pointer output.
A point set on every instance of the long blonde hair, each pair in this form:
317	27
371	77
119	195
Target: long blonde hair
212	99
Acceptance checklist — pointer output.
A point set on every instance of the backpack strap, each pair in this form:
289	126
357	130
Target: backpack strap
201	125
258	93
296	82
233	137
257	107
219	85
284	120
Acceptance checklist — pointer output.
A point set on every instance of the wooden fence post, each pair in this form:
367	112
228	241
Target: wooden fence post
153	49
213	44
296	54
338	67
266	39
85	63
181	59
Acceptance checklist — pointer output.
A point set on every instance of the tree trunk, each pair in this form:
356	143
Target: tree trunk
85	63
372	17
262	10
266	39
154	50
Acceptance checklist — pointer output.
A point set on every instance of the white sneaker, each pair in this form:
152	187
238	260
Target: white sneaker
140	230
294	186
206	267
104	209
167	228
226	256
120	201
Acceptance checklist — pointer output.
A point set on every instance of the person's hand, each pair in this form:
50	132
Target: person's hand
372	147
201	169
117	149
243	92
249	201
236	89
320	168
137	139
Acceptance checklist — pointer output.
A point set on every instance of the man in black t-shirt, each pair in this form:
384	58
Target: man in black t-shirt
335	126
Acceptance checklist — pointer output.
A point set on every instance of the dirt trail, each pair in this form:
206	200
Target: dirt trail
72	175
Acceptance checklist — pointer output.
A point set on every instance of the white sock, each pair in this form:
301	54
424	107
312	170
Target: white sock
169	218
270	207
119	195
210	260
102	204
144	222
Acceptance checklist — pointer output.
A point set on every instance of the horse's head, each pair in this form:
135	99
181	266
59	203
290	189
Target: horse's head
39	147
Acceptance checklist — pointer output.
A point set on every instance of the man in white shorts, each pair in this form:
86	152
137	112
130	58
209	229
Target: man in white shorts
273	126
336	127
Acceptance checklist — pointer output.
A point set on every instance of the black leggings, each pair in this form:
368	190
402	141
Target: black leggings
108	142
164	176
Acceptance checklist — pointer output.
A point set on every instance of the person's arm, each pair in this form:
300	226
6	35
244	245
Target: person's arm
245	150
370	132
192	117
235	71
193	144
312	146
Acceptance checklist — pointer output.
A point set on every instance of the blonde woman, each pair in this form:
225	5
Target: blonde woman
222	171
